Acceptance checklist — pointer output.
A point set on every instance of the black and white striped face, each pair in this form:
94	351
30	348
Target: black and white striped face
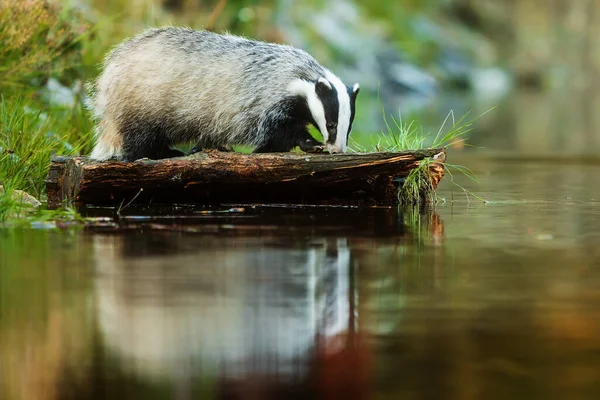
332	105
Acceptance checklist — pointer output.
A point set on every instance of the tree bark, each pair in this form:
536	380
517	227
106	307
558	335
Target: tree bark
214	177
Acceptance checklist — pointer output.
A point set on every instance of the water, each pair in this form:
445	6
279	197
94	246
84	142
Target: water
472	300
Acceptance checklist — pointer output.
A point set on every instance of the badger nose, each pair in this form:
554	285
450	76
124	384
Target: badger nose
333	149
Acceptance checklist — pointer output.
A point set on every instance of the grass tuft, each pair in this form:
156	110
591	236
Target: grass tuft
400	135
418	186
29	138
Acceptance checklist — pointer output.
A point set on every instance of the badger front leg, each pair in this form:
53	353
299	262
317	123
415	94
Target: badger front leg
309	144
275	145
278	133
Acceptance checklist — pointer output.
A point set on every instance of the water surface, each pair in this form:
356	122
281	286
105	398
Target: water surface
470	300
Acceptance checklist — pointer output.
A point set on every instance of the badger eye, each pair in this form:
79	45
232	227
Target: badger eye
331	125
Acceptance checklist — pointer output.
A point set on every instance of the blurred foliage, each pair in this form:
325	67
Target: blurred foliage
399	21
38	39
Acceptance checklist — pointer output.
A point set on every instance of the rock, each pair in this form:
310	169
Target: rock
23	198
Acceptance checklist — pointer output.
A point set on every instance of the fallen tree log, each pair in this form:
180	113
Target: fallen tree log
214	177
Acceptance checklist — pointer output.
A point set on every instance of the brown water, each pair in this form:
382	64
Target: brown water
470	301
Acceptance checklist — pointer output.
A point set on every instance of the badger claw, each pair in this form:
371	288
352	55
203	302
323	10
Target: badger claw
225	148
315	149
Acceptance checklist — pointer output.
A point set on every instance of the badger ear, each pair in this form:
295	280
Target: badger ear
322	86
353	91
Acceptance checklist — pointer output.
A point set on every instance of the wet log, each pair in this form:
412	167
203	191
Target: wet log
214	177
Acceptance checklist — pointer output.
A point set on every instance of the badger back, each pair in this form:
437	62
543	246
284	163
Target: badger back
198	78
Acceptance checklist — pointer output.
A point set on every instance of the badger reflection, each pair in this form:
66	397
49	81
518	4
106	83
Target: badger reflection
181	306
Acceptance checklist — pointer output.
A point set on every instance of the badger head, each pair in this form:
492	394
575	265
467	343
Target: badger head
331	105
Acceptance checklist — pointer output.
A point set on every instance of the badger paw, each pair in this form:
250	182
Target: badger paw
225	148
168	153
315	149
311	146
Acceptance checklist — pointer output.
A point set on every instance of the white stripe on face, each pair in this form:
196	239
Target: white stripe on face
343	114
307	90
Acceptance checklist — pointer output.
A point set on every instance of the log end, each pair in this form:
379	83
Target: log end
436	168
62	182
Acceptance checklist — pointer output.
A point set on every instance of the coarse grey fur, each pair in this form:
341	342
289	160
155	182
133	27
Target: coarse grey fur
175	85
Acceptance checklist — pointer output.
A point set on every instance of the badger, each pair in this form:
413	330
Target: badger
173	85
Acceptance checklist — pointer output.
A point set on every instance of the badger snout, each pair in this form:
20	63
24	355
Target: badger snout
333	149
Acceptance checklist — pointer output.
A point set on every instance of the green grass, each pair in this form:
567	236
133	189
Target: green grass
400	136
28	139
30	136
